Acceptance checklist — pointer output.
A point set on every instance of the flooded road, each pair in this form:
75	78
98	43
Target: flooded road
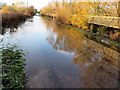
62	57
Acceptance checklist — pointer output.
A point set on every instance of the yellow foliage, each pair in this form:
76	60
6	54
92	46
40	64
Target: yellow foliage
73	13
76	13
115	36
31	10
18	8
5	9
21	9
63	14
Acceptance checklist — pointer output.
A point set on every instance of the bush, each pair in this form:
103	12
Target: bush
13	19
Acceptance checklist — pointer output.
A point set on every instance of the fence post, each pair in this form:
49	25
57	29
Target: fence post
1	23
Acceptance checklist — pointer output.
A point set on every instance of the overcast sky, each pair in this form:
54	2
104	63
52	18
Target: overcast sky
38	4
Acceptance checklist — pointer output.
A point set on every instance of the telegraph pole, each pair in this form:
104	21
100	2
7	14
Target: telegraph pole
27	6
70	2
56	3
63	2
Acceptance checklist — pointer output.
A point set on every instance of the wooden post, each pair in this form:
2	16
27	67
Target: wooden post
93	28
1	30
27	6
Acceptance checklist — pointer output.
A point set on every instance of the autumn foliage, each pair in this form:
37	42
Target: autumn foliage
21	10
75	13
16	13
67	13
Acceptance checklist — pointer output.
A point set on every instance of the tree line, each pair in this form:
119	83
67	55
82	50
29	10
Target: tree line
18	7
13	15
75	12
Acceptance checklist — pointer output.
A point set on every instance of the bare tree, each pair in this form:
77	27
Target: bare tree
118	9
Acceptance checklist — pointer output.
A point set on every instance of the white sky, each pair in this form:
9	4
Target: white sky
38	4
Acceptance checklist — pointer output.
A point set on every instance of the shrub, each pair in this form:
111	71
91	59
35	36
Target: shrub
13	19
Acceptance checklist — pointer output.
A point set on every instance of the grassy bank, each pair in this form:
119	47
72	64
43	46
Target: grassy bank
13	74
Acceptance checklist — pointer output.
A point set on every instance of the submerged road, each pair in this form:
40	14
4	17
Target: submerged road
60	57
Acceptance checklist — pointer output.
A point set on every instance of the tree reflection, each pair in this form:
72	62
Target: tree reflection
71	40
87	53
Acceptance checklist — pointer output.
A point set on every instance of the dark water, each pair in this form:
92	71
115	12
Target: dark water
62	57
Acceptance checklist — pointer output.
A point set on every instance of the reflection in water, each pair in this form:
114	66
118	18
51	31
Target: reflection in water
62	57
97	70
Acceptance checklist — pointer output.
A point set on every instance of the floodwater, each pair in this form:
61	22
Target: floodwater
62	57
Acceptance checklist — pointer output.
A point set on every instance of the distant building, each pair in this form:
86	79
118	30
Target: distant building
2	4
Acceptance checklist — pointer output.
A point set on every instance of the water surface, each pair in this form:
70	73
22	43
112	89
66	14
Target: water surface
62	57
